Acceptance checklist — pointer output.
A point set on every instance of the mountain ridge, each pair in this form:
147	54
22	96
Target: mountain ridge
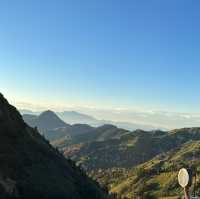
75	133
74	117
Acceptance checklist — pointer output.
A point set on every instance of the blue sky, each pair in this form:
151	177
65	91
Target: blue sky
106	54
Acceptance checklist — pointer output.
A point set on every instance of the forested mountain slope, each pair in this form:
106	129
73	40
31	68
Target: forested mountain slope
31	168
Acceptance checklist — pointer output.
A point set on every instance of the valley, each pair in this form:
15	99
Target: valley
132	164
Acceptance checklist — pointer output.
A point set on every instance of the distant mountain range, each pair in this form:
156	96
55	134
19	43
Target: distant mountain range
47	120
53	128
31	168
73	117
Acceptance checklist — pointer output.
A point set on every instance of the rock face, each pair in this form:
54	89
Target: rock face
30	168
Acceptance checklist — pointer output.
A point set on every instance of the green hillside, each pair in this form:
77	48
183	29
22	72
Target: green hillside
128	150
156	178
140	163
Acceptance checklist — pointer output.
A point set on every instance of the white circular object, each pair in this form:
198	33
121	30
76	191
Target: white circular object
183	177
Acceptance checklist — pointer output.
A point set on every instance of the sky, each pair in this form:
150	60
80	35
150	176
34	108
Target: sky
114	55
